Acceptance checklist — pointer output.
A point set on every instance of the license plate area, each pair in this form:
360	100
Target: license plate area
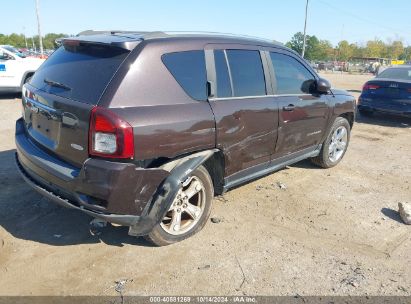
45	126
391	92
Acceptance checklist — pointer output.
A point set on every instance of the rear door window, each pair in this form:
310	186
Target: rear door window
290	75
79	72
189	70
247	73
223	78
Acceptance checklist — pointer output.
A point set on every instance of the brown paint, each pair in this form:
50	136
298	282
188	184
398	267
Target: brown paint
167	123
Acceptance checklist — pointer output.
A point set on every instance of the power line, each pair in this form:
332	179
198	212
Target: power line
360	18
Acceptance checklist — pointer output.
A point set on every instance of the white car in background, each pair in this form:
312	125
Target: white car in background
15	70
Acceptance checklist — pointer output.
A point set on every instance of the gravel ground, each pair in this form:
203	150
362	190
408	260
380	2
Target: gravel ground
323	232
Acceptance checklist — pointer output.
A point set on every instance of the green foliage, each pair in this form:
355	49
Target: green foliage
344	51
315	49
18	41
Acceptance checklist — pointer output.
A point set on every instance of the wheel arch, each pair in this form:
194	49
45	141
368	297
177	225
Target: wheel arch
348	116
26	75
179	169
215	166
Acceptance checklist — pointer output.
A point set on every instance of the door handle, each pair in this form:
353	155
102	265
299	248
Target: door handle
290	107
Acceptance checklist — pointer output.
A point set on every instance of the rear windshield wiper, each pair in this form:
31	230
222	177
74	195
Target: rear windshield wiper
57	84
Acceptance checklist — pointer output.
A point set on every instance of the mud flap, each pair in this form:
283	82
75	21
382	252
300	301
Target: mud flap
167	191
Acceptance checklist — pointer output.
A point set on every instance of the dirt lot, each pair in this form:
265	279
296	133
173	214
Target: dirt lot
330	232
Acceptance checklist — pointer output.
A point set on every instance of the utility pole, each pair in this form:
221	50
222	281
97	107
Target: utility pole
305	29
34	46
38	27
25	38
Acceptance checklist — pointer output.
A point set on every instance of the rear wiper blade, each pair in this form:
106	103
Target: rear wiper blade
57	84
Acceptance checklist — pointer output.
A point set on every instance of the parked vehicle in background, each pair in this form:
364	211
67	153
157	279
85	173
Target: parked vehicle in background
15	69
34	54
143	129
389	92
13	50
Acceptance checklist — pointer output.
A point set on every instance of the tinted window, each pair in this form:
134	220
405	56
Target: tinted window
223	78
85	69
291	76
188	68
396	73
246	72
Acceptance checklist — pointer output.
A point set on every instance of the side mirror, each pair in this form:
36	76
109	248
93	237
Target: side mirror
323	86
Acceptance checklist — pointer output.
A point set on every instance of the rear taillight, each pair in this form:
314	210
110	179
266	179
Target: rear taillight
367	87
109	135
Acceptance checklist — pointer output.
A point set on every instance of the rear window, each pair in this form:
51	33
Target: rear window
398	73
81	72
246	72
189	70
223	78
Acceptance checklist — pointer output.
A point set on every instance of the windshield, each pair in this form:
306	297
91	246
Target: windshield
79	72
396	73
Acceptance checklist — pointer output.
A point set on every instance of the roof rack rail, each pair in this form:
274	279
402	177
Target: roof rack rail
219	34
163	34
112	32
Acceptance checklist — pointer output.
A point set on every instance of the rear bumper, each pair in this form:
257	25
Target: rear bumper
125	220
120	193
385	110
10	89
396	107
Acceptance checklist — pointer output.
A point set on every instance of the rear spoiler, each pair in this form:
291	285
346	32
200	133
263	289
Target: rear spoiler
123	40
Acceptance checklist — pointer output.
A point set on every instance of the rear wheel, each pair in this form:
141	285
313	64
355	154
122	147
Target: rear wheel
189	211
335	145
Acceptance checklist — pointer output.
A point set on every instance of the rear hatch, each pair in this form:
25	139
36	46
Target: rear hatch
59	98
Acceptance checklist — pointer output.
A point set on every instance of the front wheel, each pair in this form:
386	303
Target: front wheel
335	146
189	211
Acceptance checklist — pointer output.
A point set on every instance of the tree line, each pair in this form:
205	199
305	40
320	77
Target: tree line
317	49
19	41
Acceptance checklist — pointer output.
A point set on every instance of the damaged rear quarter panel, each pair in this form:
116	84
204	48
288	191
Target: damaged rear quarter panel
125	188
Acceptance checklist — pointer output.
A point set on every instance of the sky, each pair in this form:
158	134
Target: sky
333	20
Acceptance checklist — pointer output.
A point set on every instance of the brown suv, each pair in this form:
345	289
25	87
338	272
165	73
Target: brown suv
143	129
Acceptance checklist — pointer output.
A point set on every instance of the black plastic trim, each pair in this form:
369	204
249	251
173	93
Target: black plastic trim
269	167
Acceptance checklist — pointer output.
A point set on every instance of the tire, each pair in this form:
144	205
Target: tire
333	149
166	232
